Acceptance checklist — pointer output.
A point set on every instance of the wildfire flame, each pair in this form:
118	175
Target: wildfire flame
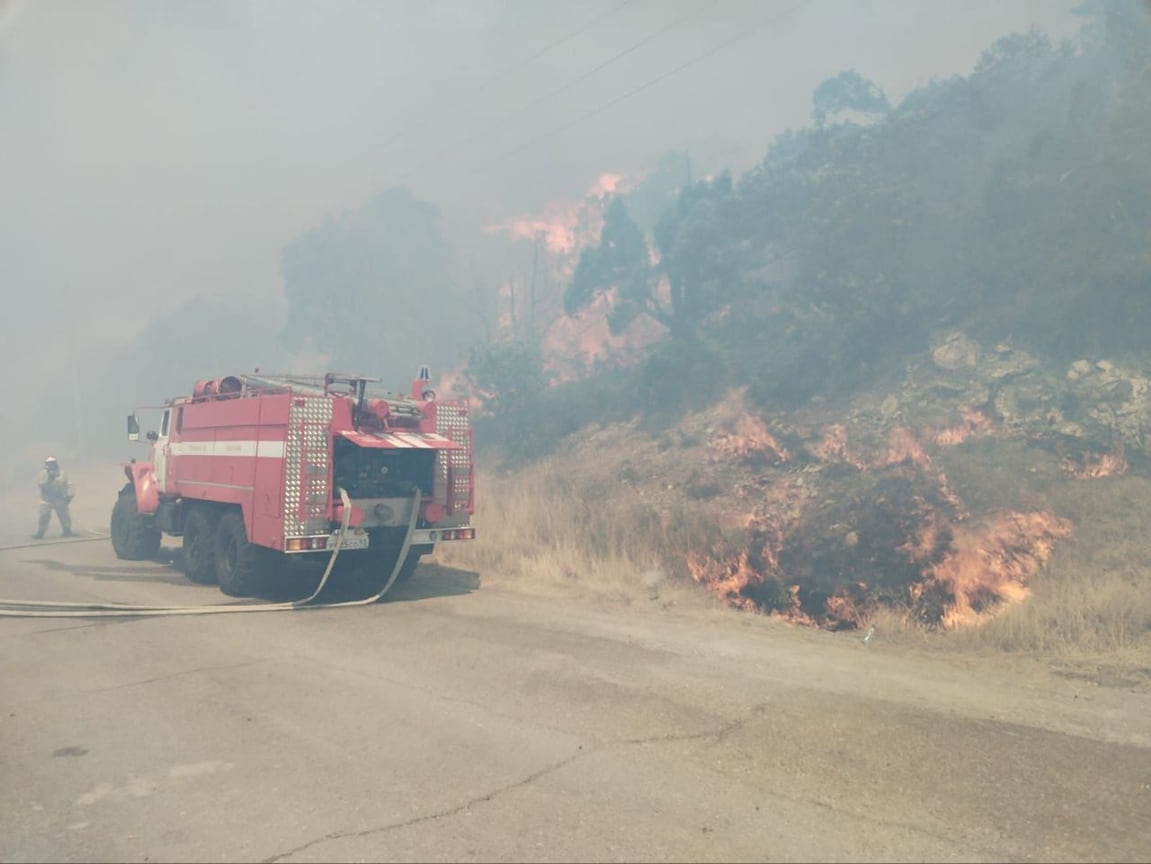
973	423
968	573
833	447
727	577
750	438
734	578
904	449
989	568
1093	466
565	227
575	344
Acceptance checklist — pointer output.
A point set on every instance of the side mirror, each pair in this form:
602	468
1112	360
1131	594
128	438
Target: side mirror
133	428
153	435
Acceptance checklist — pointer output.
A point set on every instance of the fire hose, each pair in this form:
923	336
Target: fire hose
57	609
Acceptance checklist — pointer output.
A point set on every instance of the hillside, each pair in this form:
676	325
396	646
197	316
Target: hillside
896	372
982	488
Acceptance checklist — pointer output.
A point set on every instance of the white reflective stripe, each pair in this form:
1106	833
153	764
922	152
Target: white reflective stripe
266	449
270	449
190	448
234	448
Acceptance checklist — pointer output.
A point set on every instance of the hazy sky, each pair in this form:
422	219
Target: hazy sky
151	151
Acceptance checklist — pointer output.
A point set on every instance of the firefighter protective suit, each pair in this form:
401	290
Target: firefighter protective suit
55	495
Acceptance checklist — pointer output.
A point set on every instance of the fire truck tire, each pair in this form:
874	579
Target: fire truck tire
383	562
200	546
409	568
239	564
134	537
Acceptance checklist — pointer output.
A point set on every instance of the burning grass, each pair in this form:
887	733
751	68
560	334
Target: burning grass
986	569
833	531
1092	466
750	439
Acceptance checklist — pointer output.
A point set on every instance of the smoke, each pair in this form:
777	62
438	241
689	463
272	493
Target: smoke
157	153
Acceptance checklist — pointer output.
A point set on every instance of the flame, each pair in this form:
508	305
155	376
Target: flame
750	438
833	447
904	448
847	608
967	573
735	578
974	423
565	227
728	577
991	567
1093	466
575	344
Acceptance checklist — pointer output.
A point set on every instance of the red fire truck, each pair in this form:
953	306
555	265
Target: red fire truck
250	469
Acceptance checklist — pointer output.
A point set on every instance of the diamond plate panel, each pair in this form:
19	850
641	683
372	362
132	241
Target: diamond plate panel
454	467
307	477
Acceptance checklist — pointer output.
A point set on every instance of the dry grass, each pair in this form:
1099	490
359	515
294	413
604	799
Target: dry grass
1094	598
1090	607
540	532
536	531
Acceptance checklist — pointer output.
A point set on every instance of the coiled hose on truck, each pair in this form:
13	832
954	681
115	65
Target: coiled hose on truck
58	609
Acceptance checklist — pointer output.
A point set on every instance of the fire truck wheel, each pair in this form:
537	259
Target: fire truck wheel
134	537
238	562
200	546
410	565
382	563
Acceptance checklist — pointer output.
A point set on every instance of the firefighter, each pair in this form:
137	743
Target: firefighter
55	494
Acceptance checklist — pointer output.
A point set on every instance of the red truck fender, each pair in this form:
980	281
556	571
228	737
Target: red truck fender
140	475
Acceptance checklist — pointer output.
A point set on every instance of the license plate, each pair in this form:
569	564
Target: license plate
352	540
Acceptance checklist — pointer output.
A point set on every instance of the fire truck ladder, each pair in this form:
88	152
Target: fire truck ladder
57	609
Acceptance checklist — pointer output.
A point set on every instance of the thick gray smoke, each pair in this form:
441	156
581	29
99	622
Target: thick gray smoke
157	158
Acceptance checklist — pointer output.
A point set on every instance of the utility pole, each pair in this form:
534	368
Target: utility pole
78	411
531	340
512	305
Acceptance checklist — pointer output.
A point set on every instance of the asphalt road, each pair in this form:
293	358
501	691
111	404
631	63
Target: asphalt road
454	724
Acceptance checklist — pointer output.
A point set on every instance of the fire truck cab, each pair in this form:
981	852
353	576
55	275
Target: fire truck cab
250	469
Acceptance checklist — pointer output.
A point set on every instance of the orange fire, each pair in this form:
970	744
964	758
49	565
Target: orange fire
734	577
750	438
990	567
575	344
1093	466
726	577
566	227
972	424
904	448
968	573
833	447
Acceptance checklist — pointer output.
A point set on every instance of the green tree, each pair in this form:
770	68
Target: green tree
508	377
847	91
620	265
695	266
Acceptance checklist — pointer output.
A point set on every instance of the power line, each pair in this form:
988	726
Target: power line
515	67
635	46
550	47
727	43
547	97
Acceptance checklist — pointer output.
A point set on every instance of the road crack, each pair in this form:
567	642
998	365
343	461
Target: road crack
177	674
441	814
717	735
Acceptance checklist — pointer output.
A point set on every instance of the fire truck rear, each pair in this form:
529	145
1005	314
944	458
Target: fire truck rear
250	470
